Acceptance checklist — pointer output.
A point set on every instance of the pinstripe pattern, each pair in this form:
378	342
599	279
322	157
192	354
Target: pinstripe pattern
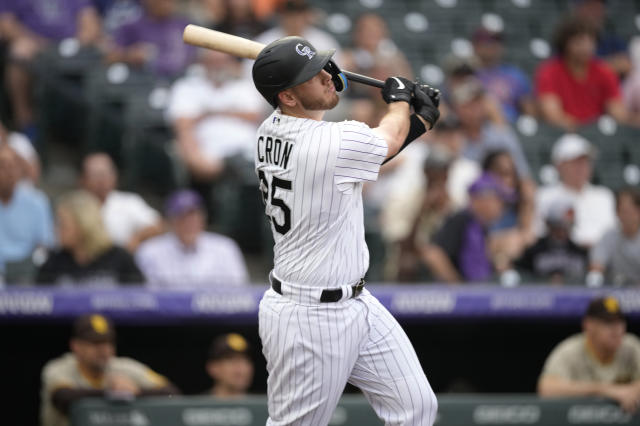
313	349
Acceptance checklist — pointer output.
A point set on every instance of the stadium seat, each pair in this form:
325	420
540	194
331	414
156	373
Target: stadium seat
149	162
108	90
610	158
61	72
537	139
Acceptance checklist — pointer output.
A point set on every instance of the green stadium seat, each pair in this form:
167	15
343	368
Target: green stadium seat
537	139
609	163
149	162
108	91
60	72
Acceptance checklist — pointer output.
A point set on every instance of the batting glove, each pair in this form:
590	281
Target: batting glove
432	92
425	103
397	89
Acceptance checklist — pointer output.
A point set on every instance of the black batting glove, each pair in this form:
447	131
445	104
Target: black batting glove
425	103
397	89
432	92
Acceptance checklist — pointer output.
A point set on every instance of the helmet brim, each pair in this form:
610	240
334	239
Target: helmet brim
313	67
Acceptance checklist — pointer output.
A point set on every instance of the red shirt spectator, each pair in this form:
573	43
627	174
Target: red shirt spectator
583	99
576	87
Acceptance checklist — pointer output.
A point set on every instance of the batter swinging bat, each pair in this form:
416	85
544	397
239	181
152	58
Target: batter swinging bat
238	46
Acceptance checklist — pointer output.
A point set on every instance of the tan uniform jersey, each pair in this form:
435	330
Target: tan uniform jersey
572	359
63	372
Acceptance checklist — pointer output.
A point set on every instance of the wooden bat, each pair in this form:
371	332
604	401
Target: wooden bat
244	48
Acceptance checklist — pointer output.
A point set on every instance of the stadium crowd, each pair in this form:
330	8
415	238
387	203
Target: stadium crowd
468	203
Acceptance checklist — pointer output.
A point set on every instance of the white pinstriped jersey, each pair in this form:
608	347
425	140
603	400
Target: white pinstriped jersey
311	175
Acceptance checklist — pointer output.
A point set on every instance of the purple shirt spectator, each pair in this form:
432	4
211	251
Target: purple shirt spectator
463	239
171	55
52	19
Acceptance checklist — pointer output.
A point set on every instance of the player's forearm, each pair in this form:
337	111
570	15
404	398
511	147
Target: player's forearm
394	126
557	387
552	112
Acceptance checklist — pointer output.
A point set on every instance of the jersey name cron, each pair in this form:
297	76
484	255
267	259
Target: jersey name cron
274	151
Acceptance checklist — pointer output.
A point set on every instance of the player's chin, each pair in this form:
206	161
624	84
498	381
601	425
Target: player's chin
333	100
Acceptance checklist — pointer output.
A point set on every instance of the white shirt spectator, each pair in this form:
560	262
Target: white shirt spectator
168	264
594	209
218	135
125	214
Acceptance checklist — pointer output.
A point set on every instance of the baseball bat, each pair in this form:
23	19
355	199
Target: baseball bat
249	49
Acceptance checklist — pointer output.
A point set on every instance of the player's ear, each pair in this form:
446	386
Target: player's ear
286	97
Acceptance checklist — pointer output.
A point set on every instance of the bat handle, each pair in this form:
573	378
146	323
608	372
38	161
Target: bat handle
359	78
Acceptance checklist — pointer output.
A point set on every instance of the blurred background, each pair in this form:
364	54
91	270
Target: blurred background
127	184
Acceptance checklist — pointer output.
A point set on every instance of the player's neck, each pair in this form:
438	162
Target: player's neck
300	112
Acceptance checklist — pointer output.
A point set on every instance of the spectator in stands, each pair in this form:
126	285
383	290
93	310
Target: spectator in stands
295	18
372	47
86	255
129	220
187	256
514	231
459	250
154	41
601	361
116	13
215	115
500	164
555	258
575	88
29	26
482	135
610	47
617	254
409	222
594	205
507	83
91	369
26	221
29	162
230	366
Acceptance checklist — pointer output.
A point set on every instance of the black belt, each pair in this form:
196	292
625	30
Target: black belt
327	296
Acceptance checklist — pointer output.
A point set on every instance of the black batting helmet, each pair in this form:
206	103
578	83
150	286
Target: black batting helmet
290	61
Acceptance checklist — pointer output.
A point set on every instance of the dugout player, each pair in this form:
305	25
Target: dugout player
91	369
602	361
320	328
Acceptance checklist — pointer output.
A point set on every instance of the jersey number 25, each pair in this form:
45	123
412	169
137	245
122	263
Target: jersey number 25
275	201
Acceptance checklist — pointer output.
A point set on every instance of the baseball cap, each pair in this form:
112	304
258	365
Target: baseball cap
183	201
94	328
227	346
487	183
605	309
571	146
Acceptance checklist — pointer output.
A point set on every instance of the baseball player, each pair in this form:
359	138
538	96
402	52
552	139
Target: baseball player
320	328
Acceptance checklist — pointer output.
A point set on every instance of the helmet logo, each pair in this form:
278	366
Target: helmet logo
303	50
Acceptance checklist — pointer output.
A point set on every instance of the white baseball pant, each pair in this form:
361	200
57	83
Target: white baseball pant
313	349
